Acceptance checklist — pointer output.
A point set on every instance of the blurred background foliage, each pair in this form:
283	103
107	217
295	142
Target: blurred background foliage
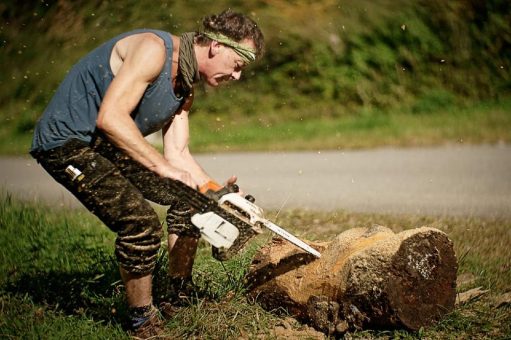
323	58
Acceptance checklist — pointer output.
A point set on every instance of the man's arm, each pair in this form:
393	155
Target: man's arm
176	136
143	62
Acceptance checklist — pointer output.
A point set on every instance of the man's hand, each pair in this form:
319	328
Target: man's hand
174	173
232	181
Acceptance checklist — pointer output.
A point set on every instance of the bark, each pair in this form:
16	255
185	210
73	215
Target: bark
365	278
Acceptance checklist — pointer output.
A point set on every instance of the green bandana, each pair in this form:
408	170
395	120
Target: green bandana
246	53
188	67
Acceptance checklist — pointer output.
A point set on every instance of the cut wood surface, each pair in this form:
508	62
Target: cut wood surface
365	278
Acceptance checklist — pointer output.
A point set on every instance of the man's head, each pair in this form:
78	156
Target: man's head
233	40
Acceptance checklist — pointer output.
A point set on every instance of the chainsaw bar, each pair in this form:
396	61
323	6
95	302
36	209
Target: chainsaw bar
291	238
255	216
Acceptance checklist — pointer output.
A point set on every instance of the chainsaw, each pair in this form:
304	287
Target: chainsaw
224	233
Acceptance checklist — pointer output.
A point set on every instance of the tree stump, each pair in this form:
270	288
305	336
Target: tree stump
366	278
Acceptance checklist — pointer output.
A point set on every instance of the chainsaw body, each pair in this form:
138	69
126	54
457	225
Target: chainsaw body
220	232
223	234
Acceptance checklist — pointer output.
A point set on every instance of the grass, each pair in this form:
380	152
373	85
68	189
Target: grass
60	280
476	124
482	123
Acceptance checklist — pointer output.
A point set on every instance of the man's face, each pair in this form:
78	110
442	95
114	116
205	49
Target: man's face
224	64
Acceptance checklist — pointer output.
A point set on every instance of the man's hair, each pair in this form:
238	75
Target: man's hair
233	25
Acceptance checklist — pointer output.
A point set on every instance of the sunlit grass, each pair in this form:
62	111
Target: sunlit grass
60	279
471	125
482	123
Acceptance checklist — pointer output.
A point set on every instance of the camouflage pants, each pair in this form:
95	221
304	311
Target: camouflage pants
115	188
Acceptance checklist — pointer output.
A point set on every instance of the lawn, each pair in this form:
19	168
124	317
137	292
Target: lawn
60	279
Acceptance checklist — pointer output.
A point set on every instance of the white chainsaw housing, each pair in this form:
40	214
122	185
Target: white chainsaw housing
221	233
242	207
215	230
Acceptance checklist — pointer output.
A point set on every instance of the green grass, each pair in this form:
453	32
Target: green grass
482	123
60	280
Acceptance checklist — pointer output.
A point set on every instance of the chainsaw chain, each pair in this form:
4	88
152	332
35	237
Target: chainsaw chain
202	204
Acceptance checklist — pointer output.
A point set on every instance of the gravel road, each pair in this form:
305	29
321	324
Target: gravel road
447	180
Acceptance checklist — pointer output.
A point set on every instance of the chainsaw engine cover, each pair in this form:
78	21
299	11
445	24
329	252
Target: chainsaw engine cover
242	207
215	230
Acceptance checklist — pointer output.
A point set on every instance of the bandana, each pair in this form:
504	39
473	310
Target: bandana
188	67
246	53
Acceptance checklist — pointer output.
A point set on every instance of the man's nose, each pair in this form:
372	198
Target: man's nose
236	75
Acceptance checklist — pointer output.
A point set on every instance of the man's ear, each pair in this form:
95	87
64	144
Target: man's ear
214	48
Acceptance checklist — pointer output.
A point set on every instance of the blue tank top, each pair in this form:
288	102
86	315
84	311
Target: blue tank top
74	108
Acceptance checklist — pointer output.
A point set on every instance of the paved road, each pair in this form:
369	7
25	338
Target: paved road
452	180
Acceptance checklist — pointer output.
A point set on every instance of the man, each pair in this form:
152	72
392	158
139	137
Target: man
91	140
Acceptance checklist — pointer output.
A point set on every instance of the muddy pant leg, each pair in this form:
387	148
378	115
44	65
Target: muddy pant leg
115	200
153	188
179	220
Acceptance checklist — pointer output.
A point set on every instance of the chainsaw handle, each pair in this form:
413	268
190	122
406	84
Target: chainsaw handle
216	191
235	188
214	186
232	187
210	186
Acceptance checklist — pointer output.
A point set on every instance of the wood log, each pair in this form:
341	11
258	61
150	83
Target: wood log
366	278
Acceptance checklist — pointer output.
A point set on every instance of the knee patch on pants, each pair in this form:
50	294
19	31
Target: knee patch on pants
179	220
137	248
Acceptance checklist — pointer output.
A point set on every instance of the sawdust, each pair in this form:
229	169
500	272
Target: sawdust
290	328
